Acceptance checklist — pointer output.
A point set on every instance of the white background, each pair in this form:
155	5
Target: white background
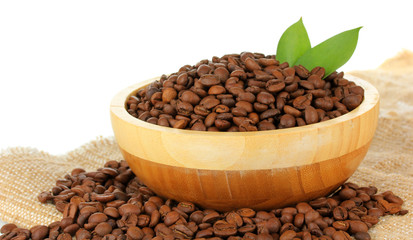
61	62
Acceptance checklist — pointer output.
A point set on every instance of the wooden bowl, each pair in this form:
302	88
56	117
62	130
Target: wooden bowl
260	170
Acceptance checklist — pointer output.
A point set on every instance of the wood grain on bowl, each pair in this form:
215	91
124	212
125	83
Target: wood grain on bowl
263	169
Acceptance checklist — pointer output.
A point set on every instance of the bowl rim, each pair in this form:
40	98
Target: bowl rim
118	108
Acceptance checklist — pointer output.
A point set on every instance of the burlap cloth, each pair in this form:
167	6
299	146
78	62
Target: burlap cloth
25	172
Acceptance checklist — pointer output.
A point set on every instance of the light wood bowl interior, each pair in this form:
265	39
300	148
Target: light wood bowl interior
260	170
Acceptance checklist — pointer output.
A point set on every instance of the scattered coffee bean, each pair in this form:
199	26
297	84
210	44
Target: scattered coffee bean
137	213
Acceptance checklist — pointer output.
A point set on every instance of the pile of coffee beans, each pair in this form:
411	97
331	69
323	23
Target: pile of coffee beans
244	92
112	204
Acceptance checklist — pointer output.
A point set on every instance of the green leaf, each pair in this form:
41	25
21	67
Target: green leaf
293	43
332	53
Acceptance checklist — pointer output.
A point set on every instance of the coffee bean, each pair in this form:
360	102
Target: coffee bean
64	236
274	86
103	228
44	197
83	234
311	115
7	228
347	193
301	71
265	98
129	209
356	226
241	82
319	71
168	94
288	235
246	212
222	124
71	229
306	85
190	97
352	101
171	217
265	125
302	102
211	217
208	103
224	229
251	64
340	213
143	215
239	112
362	236
270	113
348	204
39	232
216	90
209	80
341	225
311	215
135	233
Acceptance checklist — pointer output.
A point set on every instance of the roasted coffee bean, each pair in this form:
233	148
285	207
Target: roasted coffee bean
311	115
362	236
292	111
341	235
246	212
83	234
143	215
301	71
347	193
7	228
265	98
311	215
368	219
71	229
222	124
302	102
209	103
190	97
216	90
168	94
341	225
251	64
224	229
265	125
270	113
129	209
340	213
184	108
103	228
64	236
211	217
352	101
234	218
192	90
274	86
171	217
348	204
39	232
135	233
288	235
356	226
209	80
299	220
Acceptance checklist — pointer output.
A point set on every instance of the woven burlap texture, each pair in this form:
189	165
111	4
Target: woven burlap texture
25	172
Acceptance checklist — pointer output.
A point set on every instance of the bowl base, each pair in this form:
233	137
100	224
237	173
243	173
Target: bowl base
263	189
